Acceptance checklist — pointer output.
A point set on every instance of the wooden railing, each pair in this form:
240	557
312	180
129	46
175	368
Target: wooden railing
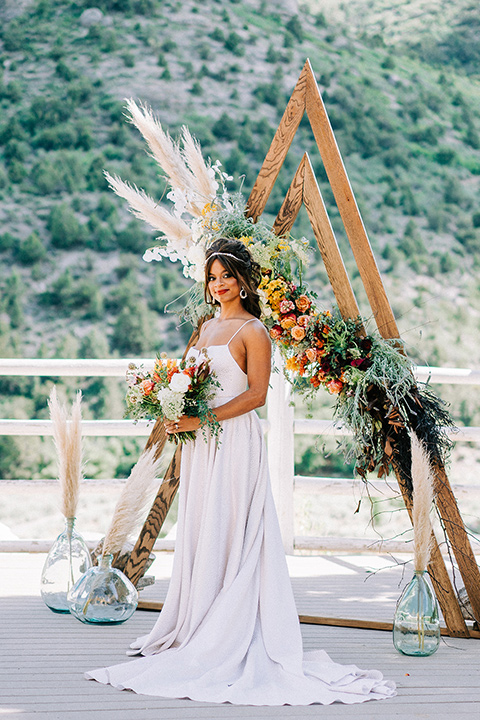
280	427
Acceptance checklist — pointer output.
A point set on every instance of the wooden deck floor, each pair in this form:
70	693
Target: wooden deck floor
43	655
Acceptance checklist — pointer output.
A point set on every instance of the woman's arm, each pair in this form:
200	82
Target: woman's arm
258	355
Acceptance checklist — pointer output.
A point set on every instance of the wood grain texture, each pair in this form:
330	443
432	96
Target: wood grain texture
166	494
278	150
327	244
135	566
348	209
455	529
292	203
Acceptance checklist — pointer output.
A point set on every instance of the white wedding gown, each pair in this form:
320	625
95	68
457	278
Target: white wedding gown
229	629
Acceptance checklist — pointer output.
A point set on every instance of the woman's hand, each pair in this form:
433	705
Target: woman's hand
183	424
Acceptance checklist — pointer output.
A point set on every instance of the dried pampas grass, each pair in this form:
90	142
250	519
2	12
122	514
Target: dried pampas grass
203	176
67	434
163	148
422	497
130	507
145	208
187	171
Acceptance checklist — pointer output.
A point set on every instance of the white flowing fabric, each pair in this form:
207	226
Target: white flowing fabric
229	629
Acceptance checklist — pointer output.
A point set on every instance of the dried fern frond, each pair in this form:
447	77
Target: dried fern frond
67	435
422	497
130	507
147	209
205	184
164	150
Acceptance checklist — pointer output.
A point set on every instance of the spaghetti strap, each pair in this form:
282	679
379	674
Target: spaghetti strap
240	328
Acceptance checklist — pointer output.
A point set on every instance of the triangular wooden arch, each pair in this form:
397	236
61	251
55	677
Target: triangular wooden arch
304	190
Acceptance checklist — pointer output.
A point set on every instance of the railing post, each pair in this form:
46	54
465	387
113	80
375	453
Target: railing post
281	459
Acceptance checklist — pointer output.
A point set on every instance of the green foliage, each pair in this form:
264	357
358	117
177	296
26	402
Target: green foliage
234	43
65	230
294	26
225	128
31	250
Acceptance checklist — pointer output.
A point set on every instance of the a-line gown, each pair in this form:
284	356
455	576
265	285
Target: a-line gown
229	629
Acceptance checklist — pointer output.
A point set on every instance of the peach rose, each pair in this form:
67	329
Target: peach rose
303	303
298	333
303	320
311	354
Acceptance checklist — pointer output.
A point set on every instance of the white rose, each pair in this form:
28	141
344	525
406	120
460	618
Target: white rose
180	383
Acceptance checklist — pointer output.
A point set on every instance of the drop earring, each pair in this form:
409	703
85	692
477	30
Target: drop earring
243	293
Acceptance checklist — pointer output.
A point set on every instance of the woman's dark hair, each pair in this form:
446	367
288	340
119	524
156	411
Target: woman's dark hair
235	258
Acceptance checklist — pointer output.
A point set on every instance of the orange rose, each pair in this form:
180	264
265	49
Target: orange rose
303	303
311	354
288	321
298	333
334	386
146	387
276	332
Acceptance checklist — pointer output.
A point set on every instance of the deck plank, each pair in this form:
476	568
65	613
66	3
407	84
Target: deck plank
44	655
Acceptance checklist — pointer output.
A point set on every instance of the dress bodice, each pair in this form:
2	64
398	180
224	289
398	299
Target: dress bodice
232	379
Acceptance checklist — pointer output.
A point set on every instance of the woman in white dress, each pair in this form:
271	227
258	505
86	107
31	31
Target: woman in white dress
229	629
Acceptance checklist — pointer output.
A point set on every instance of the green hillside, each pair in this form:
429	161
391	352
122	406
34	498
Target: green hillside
405	111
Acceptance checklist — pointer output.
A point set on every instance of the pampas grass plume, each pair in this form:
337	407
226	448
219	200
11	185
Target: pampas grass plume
67	434
422	498
130	507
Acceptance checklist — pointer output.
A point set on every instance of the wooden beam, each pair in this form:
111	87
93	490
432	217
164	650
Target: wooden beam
155	606
134	568
347	206
292	203
327	244
278	149
455	529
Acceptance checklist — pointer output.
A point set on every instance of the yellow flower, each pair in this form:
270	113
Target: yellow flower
246	239
292	364
208	209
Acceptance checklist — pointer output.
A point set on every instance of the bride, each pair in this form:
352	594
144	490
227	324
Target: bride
229	629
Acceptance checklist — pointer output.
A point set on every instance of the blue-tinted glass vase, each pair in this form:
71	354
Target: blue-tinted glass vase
66	562
103	595
416	625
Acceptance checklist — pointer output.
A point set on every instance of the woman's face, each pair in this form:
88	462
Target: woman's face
223	286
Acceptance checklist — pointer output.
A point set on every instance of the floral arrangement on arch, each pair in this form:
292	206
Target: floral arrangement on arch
375	392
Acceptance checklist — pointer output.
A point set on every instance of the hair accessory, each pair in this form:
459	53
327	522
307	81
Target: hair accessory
227	255
243	293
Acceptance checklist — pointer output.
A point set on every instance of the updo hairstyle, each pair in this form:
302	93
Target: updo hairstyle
235	258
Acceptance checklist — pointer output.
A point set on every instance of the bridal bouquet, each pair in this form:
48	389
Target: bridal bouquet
172	389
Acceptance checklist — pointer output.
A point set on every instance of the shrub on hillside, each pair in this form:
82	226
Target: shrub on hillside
31	250
65	230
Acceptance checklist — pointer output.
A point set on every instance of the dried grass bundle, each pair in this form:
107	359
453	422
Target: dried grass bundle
130	507
204	177
147	209
422	480
187	171
165	151
67	434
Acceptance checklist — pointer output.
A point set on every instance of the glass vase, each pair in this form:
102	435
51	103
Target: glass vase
66	562
103	595
416	625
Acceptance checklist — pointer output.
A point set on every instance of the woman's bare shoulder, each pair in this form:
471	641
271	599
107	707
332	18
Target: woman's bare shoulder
256	331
